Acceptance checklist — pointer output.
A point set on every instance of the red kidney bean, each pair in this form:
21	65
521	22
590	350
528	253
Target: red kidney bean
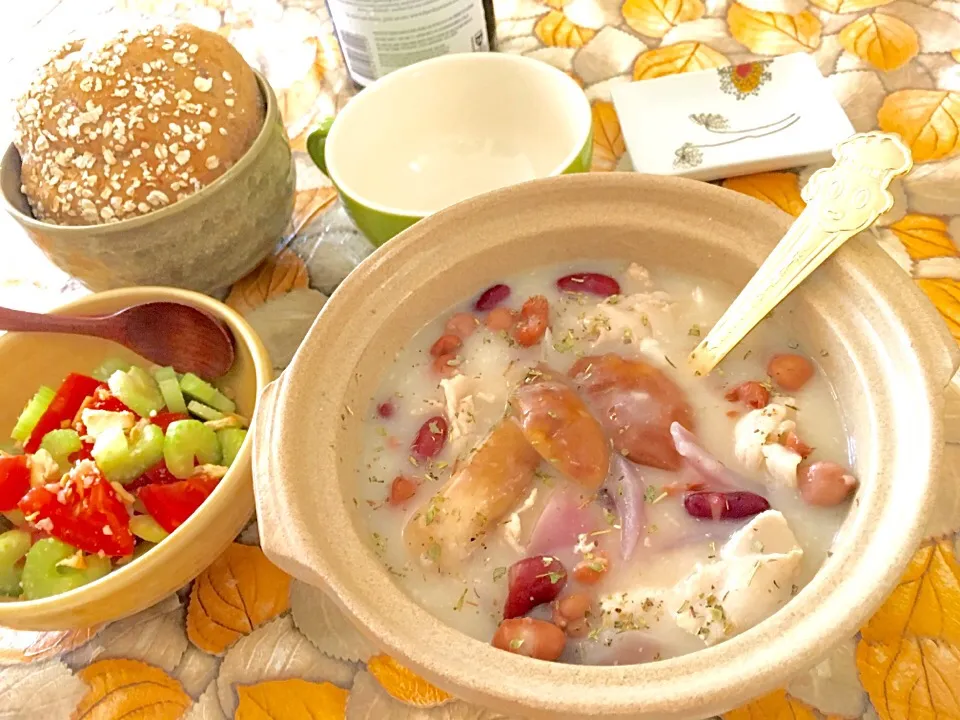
724	505
789	371
792	441
533	638
446	345
531	582
430	438
750	393
491	297
386	409
402	489
825	483
593	283
532	325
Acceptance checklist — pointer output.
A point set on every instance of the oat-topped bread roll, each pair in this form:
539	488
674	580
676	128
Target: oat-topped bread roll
111	130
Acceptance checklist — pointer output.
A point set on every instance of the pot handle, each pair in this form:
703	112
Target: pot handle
276	518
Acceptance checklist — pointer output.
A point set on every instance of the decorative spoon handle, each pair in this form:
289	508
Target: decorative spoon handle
20	321
842	201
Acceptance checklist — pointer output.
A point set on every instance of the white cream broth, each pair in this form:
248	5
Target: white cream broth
632	618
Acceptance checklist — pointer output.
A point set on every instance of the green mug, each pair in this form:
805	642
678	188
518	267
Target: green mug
444	130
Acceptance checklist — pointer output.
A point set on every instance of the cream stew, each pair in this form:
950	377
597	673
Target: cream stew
541	472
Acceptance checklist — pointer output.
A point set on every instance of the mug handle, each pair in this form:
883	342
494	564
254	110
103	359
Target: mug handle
316	144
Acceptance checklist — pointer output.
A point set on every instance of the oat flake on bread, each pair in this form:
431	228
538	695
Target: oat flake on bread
115	129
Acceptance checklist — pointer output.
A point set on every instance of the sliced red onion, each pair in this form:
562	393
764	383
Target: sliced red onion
714	473
565	516
625	485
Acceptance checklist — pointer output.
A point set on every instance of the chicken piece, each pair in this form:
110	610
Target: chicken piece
757	443
752	579
481	491
559	426
636	403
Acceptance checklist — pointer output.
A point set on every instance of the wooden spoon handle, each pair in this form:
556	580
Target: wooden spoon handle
842	201
20	321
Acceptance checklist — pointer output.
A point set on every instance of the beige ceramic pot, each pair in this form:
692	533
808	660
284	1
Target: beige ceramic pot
33	359
890	359
205	242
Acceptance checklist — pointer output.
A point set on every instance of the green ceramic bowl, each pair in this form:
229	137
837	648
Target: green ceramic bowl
444	130
204	242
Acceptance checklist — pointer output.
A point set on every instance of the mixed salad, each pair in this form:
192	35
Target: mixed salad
104	468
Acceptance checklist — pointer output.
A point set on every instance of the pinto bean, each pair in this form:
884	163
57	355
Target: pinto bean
750	393
590	571
401	489
462	324
570	613
533	638
446	365
825	483
790	371
446	345
793	442
532	325
501	318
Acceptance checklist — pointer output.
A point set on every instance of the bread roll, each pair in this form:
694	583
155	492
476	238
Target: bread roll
113	130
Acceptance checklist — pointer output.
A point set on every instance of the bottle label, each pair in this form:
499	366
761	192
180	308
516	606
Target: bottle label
378	36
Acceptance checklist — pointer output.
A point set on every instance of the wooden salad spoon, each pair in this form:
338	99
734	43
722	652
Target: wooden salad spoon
165	333
842	201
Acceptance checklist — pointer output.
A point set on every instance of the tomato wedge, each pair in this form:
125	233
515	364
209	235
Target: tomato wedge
91	516
157	475
63	408
14	480
103	400
162	420
171	504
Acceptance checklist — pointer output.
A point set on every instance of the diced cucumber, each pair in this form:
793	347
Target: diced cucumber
123	460
170	389
230	441
14	544
108	367
206	393
15	517
145	527
204	412
137	390
42	577
32	413
186	440
141	548
61	444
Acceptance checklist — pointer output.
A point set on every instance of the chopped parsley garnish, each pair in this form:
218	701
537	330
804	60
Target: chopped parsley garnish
498	573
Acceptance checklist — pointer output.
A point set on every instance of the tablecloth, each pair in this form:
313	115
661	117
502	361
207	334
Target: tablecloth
244	640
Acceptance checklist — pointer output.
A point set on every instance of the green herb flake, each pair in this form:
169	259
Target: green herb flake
498	573
433	552
694	330
516	643
459	606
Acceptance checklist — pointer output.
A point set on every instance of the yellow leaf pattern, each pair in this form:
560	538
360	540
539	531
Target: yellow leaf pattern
775	706
404	684
131	690
924	236
18	646
781	189
556	30
945	295
849	6
277	275
680	58
768	33
928	120
908	655
291	700
882	40
656	17
239	592
608	145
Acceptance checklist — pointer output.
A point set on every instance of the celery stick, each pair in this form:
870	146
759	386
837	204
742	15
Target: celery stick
14	517
137	390
206	393
61	444
108	367
204	412
145	527
122	460
170	389
231	439
14	544
186	440
32	413
43	577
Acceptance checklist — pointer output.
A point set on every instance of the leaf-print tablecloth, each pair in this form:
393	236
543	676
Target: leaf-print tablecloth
244	640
